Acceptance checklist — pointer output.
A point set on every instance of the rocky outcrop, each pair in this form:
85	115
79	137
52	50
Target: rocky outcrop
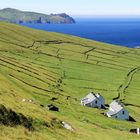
10	118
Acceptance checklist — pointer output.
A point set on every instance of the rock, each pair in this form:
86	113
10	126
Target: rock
23	100
67	126
27	100
30	101
41	105
10	118
52	107
53	99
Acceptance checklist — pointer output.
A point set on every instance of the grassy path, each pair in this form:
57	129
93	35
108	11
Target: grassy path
122	88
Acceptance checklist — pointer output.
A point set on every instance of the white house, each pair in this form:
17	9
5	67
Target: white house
116	110
93	100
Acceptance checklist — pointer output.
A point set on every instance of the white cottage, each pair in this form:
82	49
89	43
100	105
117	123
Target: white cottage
116	110
93	100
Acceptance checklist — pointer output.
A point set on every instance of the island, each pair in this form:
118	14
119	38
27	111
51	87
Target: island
20	17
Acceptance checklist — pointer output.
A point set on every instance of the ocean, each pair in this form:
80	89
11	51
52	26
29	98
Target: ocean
119	31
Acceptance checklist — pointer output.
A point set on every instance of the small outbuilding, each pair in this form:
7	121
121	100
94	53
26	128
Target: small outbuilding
93	100
136	131
116	110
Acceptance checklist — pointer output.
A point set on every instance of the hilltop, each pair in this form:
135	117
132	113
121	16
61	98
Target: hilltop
17	16
40	68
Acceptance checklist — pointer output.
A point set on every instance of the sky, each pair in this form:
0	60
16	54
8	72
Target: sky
76	7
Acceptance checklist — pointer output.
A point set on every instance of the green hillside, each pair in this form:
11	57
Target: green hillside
52	68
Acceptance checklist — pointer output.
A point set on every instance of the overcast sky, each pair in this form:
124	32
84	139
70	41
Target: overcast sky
76	7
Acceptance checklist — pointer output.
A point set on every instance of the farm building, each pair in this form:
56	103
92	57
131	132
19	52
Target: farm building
93	100
136	131
116	110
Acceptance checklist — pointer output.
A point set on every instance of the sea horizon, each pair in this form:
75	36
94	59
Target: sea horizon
117	31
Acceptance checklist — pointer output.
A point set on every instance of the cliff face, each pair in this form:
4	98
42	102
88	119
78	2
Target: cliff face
17	16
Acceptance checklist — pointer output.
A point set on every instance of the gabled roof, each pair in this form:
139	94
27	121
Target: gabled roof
91	97
114	108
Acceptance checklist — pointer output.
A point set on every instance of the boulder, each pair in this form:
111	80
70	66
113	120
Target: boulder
67	126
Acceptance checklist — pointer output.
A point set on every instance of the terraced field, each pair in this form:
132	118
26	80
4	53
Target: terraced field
44	66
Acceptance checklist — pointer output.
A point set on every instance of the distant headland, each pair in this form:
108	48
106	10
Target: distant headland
16	16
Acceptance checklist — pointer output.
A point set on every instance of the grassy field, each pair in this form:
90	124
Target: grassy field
41	65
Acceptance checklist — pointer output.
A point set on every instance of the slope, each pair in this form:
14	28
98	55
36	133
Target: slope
44	66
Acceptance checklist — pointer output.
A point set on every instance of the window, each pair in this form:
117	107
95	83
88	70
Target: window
96	102
116	117
123	112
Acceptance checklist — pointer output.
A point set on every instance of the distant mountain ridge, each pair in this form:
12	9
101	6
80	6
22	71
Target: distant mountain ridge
16	16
